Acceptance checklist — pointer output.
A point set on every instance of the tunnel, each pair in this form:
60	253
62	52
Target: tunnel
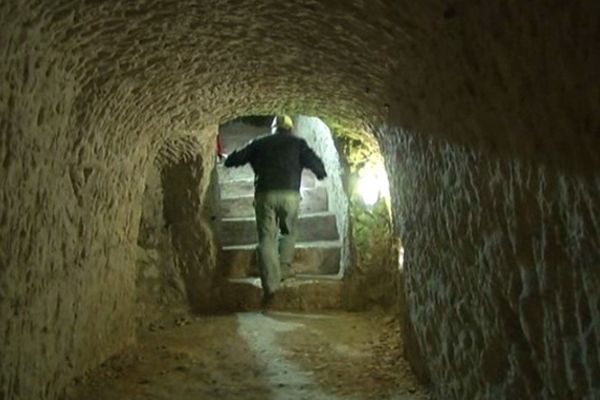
485	116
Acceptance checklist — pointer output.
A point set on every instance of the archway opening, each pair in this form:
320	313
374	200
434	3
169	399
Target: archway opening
345	234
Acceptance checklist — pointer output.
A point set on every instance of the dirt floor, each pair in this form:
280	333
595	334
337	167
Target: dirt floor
259	356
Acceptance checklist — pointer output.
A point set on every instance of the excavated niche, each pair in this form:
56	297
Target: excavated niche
176	254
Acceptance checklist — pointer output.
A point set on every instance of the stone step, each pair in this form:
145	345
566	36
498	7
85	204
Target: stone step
234	189
311	227
313	200
316	258
303	293
225	174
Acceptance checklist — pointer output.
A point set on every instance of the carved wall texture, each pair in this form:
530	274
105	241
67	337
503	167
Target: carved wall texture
502	272
159	285
176	254
91	90
187	208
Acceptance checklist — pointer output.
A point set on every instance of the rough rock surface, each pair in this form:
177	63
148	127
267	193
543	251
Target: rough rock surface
158	282
189	188
374	277
252	356
91	90
502	272
176	251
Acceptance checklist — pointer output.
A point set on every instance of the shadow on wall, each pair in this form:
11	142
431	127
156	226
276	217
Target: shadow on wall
158	282
176	258
191	234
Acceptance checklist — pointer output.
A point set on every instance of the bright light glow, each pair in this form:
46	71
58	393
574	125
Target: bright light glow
400	258
373	184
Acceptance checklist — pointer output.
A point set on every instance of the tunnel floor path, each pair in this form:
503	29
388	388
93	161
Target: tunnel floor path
330	356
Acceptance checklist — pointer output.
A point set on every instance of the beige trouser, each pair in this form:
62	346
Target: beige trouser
276	223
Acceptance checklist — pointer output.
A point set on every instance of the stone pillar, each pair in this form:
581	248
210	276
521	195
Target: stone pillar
319	137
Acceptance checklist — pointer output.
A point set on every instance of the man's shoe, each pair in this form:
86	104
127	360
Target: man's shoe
267	301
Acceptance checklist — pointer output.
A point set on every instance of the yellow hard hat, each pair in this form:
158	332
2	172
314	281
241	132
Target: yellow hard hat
283	121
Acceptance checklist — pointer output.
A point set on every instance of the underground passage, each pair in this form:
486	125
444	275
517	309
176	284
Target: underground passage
451	250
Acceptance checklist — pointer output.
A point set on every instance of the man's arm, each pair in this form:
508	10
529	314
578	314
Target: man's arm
239	157
310	160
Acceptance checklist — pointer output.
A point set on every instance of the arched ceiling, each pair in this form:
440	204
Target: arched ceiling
490	74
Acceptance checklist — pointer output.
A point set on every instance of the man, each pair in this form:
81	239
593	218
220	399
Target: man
277	160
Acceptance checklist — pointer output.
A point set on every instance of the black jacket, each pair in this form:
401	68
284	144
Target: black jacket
277	161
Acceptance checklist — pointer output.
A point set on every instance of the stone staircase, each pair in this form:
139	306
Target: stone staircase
317	284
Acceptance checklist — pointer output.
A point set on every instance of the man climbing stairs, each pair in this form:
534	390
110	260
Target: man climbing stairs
317	259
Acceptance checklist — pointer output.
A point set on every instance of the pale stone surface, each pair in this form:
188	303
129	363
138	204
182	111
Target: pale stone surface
319	137
90	90
303	293
311	227
309	258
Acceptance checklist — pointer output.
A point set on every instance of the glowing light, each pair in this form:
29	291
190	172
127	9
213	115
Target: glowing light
400	258
372	184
